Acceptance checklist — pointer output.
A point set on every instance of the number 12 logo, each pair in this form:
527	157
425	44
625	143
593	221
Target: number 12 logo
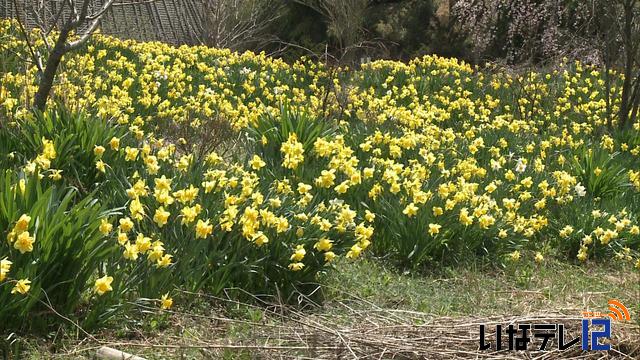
596	334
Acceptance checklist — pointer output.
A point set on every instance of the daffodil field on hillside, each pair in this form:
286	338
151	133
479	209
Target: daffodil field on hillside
158	168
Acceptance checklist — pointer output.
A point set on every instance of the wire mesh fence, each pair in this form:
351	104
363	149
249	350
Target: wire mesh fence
171	21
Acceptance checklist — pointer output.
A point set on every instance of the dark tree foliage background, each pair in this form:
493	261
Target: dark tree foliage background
394	29
508	31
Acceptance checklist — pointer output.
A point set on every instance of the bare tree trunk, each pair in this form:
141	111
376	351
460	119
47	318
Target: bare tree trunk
79	16
50	70
635	100
607	89
625	97
629	52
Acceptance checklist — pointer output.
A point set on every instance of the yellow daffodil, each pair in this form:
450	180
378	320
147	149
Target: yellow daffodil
434	229
105	227
5	267
166	302
296	266
24	242
114	143
410	210
203	229
103	285
22	287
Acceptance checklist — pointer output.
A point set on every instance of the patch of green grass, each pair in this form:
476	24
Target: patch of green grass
478	289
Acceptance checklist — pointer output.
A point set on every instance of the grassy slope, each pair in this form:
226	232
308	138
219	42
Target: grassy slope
474	290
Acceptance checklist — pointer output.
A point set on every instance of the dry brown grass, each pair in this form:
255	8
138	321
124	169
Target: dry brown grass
357	330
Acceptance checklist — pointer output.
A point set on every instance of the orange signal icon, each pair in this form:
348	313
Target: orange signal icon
618	312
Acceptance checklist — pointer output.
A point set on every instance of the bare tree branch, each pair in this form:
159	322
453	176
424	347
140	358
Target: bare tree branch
235	24
92	27
345	21
37	59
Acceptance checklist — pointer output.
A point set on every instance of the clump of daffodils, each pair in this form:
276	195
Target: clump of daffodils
293	152
20	237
